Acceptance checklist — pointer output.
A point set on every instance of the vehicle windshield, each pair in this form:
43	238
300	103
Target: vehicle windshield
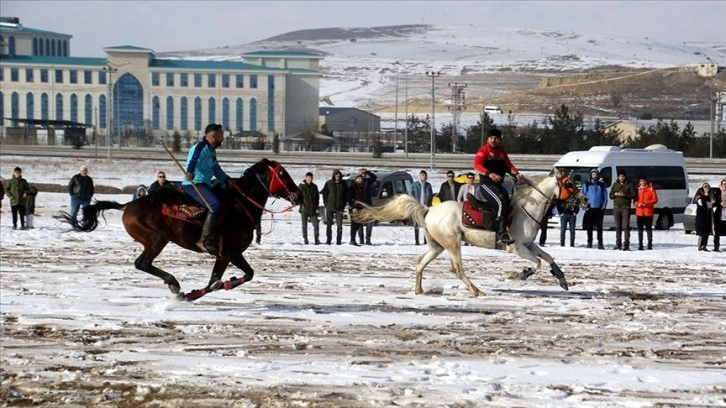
577	174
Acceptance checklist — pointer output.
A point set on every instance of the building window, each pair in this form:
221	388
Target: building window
155	111
102	77
15	107
225	80
58	105
239	113
271	103
88	109
253	114
184	113
184	80
87	77
212	81
102	111
60	48
35	46
44	106
197	80
52	48
29	75
225	114
154	79
169	79
212	106
2	72
47	47
44	76
14	75
74	108
58	75
239	81
2	105
74	76
41	51
128	106
253	81
29	106
197	113
65	48
169	113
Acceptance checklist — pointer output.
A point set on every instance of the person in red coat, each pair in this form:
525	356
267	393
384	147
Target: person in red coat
493	163
645	202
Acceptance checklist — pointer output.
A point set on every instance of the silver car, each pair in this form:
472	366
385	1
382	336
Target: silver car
689	217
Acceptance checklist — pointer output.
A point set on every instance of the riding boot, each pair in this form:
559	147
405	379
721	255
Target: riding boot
716	243
503	234
206	241
415	234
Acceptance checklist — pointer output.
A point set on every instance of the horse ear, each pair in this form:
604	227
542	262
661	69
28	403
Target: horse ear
558	174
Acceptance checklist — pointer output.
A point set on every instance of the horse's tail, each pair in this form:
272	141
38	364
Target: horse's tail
400	208
90	215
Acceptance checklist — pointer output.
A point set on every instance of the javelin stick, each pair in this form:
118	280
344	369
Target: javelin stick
209	207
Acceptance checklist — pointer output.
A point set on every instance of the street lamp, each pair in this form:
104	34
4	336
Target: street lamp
109	108
433	75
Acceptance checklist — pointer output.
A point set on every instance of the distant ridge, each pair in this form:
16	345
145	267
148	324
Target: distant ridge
342	33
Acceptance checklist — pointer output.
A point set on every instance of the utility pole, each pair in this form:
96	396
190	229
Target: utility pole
433	75
405	130
109	107
457	105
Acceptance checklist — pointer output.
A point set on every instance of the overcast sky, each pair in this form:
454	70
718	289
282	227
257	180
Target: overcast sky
186	25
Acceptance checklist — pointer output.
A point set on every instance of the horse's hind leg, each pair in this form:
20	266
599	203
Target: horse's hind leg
144	263
433	251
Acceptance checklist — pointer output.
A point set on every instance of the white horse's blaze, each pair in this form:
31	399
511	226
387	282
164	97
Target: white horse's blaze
443	229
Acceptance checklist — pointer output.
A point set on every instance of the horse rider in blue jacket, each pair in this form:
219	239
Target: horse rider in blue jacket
597	199
201	165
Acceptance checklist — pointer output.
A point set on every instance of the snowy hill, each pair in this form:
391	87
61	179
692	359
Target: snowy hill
360	67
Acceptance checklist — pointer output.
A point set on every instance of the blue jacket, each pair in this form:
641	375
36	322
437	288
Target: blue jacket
202	161
428	192
596	193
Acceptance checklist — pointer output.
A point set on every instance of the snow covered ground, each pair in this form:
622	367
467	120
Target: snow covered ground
339	326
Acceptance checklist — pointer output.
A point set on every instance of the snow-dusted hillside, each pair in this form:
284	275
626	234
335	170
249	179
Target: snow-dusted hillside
360	67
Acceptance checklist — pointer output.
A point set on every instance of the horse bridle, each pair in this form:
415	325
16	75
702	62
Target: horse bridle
566	187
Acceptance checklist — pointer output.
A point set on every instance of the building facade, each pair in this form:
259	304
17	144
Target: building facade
131	90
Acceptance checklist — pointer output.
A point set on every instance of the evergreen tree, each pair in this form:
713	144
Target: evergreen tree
176	142
419	134
276	143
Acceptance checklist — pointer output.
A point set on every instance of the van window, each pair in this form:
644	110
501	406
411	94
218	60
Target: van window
662	177
399	187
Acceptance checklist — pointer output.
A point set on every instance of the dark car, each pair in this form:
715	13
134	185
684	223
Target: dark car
386	186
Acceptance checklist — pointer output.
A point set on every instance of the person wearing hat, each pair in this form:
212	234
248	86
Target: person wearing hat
493	163
17	190
622	193
200	167
597	199
81	190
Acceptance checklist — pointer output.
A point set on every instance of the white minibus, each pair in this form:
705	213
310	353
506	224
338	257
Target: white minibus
665	169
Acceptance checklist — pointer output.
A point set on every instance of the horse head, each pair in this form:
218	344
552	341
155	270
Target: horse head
276	181
568	190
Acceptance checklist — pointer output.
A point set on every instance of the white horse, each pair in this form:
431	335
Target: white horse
444	230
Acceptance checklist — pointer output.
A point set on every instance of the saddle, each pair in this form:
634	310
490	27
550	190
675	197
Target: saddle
479	214
179	205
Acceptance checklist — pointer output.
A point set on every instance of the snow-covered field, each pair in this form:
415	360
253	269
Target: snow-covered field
339	326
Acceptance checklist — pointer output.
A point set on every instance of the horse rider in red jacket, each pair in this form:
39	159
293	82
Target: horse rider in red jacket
493	163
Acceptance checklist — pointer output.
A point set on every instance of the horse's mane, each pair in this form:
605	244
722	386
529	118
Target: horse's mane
521	194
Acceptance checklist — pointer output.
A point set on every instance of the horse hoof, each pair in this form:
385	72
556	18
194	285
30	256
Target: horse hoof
563	284
175	289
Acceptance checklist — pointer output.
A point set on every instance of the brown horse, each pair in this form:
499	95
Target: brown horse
146	222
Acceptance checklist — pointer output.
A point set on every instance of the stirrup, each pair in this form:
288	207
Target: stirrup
504	238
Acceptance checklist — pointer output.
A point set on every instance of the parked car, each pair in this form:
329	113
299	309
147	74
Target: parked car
689	216
386	186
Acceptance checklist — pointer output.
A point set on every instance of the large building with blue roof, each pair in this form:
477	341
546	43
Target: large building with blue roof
132	91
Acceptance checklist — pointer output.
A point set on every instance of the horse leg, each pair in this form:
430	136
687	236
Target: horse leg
556	271
215	281
143	263
457	268
432	252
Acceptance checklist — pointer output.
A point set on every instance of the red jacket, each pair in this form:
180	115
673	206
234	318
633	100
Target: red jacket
489	160
645	201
